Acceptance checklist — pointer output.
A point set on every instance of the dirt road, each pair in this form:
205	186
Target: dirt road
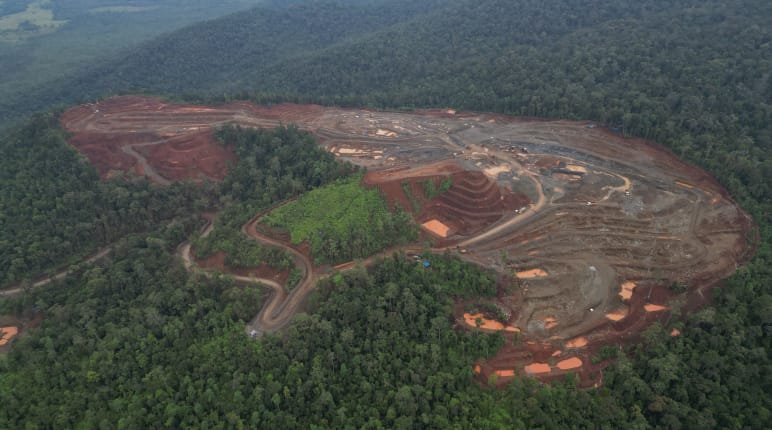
16	290
146	167
280	307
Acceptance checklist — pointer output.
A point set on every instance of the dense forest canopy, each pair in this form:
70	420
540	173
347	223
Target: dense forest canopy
44	40
135	341
54	209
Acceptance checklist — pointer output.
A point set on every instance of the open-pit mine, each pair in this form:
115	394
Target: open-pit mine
587	230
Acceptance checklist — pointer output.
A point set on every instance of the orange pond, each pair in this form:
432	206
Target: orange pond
530	274
654	308
7	333
471	320
618	314
535	368
570	363
577	342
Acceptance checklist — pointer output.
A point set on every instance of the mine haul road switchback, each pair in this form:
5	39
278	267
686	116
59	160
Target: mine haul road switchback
589	227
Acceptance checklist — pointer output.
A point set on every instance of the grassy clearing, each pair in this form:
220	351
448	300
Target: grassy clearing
343	221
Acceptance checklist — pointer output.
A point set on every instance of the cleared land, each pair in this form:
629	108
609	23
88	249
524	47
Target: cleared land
592	212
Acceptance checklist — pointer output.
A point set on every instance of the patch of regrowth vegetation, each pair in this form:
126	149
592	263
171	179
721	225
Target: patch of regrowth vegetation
607	352
343	221
414	202
677	287
294	278
432	190
488	310
241	251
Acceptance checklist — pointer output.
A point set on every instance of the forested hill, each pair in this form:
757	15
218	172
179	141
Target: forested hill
224	54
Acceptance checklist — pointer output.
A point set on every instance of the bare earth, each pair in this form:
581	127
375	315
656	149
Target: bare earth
594	212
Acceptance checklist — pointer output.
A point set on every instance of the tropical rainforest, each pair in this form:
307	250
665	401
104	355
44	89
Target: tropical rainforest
136	341
46	40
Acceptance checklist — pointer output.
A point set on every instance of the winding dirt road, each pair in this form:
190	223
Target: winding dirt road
280	307
514	221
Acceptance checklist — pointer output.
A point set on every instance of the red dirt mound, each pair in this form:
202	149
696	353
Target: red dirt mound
472	203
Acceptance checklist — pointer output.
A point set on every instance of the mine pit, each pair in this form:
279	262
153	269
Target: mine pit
641	218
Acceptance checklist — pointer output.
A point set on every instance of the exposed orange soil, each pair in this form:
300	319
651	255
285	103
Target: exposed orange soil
577	342
626	291
675	332
650	307
7	333
532	273
176	141
571	363
488	324
550	322
536	368
472	203
505	373
436	227
471	320
618	314
685	185
190	156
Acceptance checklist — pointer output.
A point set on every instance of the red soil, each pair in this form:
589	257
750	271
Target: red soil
175	143
105	154
530	351
189	156
570	363
472	203
7	333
